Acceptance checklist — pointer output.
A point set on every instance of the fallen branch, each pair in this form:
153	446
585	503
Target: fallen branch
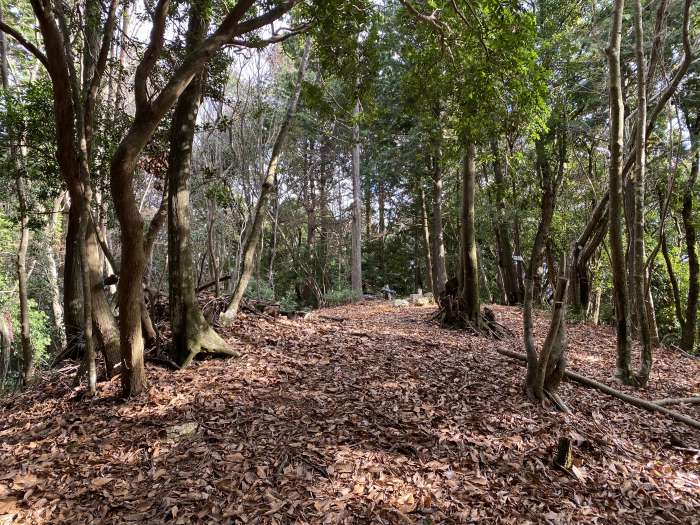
635	401
332	318
204	286
687	354
677	401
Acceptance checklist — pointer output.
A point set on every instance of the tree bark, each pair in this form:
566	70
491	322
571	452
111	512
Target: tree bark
59	334
104	324
191	334
27	350
642	376
634	401
544	367
505	249
269	184
689	326
470	267
438	245
356	266
5	348
617	255
425	230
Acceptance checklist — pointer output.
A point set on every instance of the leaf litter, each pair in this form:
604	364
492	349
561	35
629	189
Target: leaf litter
357	414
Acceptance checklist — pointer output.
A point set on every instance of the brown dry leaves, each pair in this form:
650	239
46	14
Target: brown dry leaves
382	418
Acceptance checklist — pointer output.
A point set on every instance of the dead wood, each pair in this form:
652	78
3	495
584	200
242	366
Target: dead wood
634	401
205	286
677	401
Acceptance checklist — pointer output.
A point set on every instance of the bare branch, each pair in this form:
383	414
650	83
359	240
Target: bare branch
155	46
281	37
26	44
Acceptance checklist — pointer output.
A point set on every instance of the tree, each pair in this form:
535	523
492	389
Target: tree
268	186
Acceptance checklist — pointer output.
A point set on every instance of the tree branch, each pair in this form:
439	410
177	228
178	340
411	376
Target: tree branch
260	43
26	44
155	46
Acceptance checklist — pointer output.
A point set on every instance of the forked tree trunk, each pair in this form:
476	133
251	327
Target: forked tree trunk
617	253
544	368
269	183
191	334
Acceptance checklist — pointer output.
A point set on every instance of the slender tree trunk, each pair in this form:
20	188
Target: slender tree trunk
639	190
52	273
356	267
426	239
381	197
505	250
438	246
269	183
27	350
617	253
214	272
470	267
5	348
273	243
89	355
689	326
540	371
595	317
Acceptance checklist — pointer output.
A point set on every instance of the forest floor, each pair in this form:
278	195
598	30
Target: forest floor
357	414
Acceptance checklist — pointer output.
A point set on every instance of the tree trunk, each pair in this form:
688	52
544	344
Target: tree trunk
639	182
27	350
617	254
214	271
438	246
595	317
356	266
72	284
59	333
543	367
103	321
470	267
191	334
689	327
505	250
426	239
269	183
89	353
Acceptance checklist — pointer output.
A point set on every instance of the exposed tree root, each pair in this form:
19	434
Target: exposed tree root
452	314
207	341
634	401
558	401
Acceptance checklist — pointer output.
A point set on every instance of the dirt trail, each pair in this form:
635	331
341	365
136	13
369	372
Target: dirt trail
355	415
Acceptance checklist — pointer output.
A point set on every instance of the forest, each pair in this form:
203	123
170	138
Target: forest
349	261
